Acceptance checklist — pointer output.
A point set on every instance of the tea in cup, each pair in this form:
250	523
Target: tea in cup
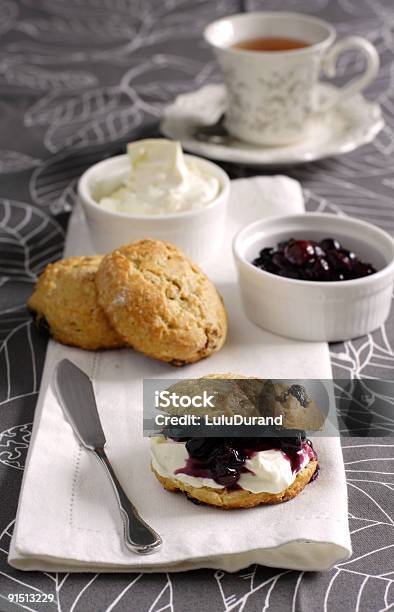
271	63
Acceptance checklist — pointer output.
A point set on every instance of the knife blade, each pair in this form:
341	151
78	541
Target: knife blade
75	391
76	396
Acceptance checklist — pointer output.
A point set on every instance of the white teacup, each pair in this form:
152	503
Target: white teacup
272	95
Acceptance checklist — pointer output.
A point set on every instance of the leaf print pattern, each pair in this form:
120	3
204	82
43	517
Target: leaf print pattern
86	76
13	161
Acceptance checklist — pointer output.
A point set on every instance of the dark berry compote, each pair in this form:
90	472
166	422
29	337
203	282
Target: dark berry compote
223	459
308	260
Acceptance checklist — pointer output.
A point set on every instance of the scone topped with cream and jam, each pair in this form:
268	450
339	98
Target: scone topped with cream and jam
237	471
161	303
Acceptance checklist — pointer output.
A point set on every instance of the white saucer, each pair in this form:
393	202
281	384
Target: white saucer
343	129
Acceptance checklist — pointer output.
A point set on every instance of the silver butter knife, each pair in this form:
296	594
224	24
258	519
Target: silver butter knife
75	391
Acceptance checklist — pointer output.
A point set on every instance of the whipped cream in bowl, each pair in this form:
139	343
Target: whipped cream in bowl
156	191
162	180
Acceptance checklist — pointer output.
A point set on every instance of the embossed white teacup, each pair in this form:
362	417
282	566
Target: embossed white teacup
272	95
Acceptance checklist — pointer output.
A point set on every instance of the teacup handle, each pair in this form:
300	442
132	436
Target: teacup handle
357	85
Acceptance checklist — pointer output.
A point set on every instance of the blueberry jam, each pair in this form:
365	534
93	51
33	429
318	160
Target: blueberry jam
223	459
325	261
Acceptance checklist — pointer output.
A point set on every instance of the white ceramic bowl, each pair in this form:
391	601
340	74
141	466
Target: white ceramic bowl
309	310
199	233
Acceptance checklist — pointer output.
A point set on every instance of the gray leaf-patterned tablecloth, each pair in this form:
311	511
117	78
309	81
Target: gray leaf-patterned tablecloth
78	78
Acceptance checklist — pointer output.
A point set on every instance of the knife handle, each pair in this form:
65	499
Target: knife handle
139	537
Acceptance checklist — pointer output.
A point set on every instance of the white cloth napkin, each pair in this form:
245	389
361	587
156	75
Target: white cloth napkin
68	519
204	106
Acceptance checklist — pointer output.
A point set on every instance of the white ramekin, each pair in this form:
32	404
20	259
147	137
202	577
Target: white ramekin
308	310
199	233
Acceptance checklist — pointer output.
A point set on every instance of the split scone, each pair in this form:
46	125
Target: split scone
161	303
235	472
65	300
238	394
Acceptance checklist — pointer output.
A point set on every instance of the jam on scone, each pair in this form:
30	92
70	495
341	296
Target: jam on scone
223	459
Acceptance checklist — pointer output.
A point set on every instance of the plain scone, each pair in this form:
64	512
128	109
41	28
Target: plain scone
161	303
65	296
